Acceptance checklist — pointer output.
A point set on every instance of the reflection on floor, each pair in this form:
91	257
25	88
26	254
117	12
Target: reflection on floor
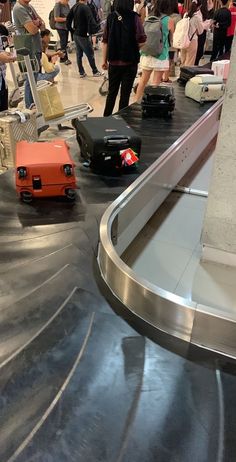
167	252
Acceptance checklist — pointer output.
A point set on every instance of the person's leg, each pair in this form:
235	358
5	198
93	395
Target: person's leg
228	43
200	47
63	34
157	77
216	45
171	70
28	95
191	53
183	56
114	76
79	55
223	37
146	74
127	80
3	96
87	48
50	76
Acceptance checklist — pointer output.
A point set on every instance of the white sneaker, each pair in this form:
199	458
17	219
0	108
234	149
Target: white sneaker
98	74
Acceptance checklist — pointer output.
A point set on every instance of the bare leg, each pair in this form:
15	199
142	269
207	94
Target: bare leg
142	84
157	76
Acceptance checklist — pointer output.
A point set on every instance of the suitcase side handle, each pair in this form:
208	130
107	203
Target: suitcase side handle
118	139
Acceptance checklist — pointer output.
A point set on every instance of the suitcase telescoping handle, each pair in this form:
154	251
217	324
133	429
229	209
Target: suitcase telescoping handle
116	140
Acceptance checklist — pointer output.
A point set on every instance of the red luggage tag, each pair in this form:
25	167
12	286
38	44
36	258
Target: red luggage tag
129	157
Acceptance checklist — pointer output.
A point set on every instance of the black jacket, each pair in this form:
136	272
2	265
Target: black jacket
82	19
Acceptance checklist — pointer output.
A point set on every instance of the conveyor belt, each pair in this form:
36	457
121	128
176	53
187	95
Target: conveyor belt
77	382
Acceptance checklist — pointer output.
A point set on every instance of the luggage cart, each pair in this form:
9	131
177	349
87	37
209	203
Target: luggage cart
79	111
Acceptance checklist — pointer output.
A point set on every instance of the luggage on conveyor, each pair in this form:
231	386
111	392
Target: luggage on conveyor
158	100
202	88
187	72
44	169
15	126
102	141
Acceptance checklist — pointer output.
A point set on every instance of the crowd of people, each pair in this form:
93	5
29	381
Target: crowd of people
124	38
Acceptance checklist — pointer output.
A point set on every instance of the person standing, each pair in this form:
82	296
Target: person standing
221	22
188	55
160	64
61	11
123	35
83	28
27	21
176	16
206	13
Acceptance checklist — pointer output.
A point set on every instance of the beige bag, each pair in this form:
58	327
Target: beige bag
51	102
15	126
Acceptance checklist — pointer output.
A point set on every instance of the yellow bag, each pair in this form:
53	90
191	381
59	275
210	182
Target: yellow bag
51	102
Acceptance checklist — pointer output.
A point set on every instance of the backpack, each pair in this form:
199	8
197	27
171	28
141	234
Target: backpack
52	22
94	10
181	37
153	30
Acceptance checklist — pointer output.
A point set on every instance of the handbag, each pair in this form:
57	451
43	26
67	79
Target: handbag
51	103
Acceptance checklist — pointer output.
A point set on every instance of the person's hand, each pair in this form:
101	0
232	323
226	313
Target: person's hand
6	57
61	54
37	22
105	66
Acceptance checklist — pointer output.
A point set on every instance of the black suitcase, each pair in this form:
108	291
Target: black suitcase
101	140
187	72
158	101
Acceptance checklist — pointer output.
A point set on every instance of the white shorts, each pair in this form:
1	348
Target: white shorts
150	63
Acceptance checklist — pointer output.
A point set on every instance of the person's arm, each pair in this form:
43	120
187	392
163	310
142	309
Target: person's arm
69	20
171	29
47	66
92	25
104	48
140	34
57	14
6	57
199	25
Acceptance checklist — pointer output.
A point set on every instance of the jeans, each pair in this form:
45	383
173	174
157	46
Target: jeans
119	76
63	34
49	75
84	45
28	95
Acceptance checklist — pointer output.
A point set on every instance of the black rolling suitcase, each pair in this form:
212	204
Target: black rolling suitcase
158	101
102	140
187	72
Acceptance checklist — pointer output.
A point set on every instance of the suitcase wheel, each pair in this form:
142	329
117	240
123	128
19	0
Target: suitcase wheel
21	172
70	194
67	169
26	196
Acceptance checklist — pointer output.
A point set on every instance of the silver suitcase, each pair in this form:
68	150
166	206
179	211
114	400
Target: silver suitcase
202	88
15	126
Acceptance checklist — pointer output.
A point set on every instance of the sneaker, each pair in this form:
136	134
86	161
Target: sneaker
67	62
83	75
98	74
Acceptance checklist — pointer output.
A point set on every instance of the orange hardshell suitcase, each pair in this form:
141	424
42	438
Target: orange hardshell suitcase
44	169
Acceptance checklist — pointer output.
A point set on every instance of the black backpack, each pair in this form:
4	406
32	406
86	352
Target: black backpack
51	19
94	10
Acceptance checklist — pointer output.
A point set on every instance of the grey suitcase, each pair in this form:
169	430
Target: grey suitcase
203	88
15	126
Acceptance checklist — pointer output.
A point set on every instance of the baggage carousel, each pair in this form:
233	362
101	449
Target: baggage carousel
81	379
